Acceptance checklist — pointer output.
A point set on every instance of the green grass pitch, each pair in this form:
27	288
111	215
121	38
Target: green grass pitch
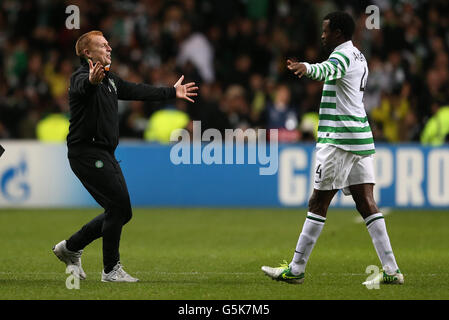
211	254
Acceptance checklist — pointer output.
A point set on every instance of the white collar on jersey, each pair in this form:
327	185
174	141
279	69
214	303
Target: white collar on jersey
344	44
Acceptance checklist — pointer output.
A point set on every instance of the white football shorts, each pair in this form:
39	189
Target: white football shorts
337	169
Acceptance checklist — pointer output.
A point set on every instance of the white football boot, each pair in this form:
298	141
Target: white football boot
383	278
72	259
117	275
283	273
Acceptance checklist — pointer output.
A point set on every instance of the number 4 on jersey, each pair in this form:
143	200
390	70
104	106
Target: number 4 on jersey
318	171
363	80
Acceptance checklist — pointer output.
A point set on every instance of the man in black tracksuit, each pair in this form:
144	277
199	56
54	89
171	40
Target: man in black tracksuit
92	139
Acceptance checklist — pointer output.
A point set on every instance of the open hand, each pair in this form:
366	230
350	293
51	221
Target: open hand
96	73
185	91
298	68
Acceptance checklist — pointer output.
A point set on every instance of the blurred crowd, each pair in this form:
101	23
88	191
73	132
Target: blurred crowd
236	51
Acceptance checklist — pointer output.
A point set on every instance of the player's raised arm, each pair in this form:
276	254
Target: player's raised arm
333	68
297	68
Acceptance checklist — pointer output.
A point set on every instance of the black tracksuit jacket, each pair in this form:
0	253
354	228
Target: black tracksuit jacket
94	120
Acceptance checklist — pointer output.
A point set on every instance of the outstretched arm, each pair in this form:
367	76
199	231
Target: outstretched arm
141	91
333	68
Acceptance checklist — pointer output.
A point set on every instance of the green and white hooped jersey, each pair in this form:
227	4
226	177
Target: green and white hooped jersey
342	117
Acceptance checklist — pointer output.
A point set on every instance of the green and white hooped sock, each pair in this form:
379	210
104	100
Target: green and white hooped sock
310	232
377	229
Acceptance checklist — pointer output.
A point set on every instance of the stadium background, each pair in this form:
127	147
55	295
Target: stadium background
236	52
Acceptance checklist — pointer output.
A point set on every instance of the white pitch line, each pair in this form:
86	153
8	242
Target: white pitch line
191	273
136	272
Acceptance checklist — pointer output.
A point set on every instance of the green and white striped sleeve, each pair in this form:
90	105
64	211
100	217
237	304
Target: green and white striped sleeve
333	68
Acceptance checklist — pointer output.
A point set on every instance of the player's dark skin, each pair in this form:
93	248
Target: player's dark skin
362	193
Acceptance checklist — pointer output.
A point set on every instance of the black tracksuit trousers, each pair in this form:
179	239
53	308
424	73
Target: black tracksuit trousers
101	175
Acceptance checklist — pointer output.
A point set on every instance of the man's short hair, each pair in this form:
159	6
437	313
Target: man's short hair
84	40
343	21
